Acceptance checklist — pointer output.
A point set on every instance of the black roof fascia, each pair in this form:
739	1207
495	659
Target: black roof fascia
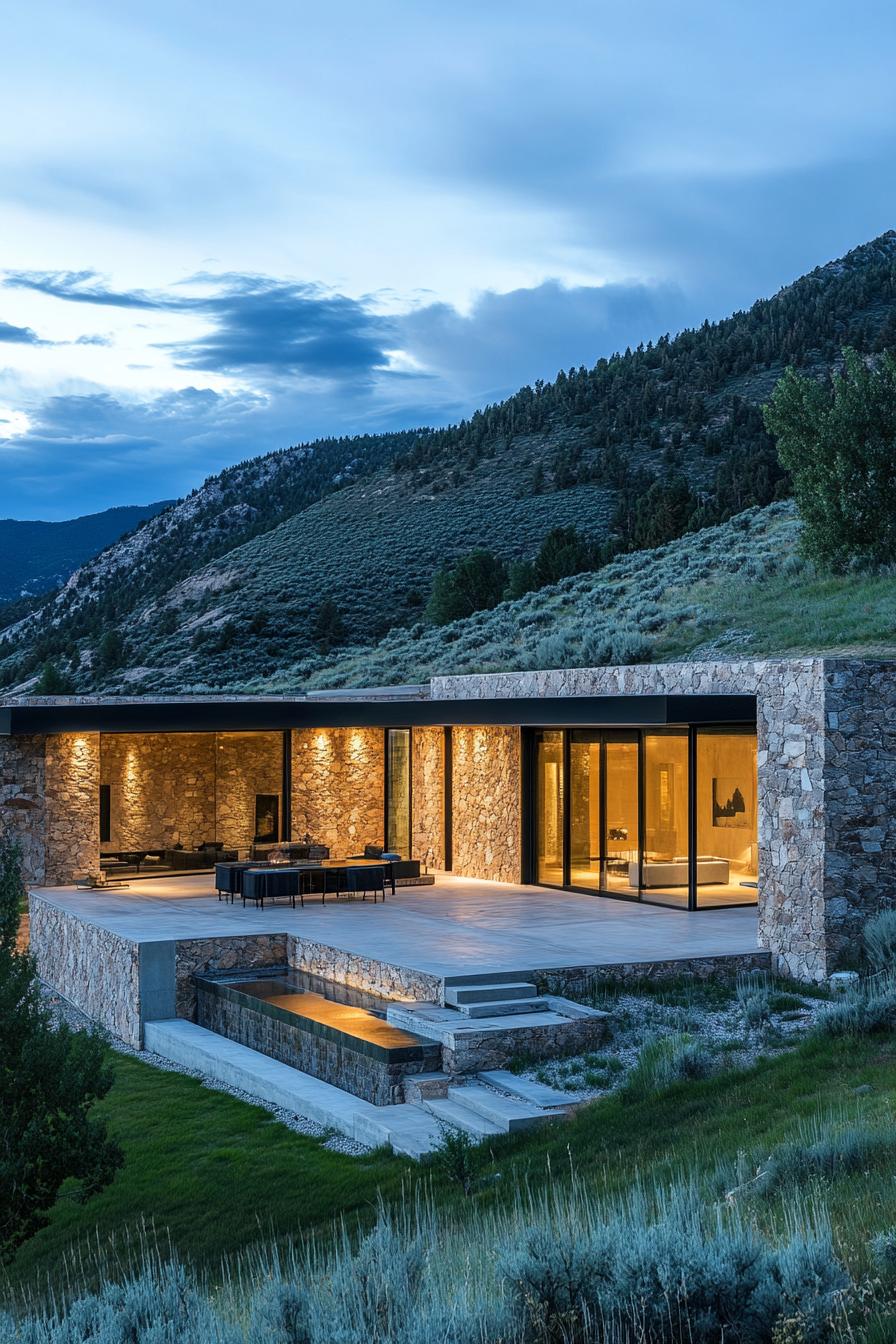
272	715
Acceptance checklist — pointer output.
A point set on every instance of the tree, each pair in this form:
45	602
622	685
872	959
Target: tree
328	628
475	583
49	1079
563	552
51	681
111	651
838	441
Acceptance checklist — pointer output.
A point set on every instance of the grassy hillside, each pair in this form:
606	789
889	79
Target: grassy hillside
223	589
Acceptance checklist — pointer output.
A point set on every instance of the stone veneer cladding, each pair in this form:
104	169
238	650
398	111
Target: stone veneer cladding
338	787
162	789
72	776
428	797
23	800
247	764
486	803
827	783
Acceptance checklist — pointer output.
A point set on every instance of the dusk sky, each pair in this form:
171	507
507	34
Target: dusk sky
227	227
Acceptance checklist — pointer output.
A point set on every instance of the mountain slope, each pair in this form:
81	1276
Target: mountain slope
223	589
37	556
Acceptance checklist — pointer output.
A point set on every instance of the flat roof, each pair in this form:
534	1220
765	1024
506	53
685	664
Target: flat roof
245	715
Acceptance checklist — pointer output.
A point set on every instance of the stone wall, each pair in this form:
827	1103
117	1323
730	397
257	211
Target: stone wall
348	968
162	789
72	774
486	803
23	800
338	787
199	956
357	1066
247	764
96	970
428	797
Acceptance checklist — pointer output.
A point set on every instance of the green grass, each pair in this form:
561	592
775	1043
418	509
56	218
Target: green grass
216	1175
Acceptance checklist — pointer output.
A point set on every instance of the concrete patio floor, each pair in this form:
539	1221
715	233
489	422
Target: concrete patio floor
456	927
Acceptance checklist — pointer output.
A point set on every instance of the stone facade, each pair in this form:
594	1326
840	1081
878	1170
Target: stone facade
338	787
347	968
247	764
486	803
162	789
23	800
428	797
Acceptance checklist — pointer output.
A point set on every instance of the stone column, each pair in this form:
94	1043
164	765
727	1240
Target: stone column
73	815
428	796
487	804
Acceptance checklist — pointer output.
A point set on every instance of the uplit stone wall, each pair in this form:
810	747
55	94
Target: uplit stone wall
23	800
162	789
199	956
428	797
338	787
349	968
72	776
486	803
247	764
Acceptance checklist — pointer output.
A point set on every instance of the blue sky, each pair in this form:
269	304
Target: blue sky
228	228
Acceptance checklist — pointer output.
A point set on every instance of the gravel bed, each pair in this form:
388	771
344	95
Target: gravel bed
66	1012
639	1018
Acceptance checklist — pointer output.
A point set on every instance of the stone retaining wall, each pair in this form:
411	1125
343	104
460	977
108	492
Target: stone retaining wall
348	968
477	1050
96	970
571	980
199	956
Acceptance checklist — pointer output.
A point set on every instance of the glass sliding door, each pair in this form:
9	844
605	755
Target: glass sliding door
727	837
398	791
621	849
549	806
665	870
584	810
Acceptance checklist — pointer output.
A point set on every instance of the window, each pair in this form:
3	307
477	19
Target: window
727	842
550	800
398	791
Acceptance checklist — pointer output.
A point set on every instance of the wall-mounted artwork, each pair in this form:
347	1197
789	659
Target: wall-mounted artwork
267	818
730	803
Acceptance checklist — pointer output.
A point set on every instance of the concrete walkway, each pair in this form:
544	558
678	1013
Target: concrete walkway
454	928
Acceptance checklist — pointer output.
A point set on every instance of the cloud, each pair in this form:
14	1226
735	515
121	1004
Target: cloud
19	335
256	323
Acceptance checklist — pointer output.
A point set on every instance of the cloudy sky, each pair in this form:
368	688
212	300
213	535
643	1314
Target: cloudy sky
230	227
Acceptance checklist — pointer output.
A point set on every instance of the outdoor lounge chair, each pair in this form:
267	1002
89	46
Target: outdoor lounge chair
367	881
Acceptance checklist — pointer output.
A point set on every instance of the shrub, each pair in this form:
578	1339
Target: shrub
457	1158
665	1060
865	1007
753	993
879	937
883	1252
827	1153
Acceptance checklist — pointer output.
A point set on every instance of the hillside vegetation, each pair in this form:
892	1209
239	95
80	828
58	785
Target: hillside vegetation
224	589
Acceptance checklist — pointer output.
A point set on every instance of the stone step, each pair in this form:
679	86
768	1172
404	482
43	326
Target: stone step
458	1116
509	1113
458	995
536	1094
503	1008
426	1086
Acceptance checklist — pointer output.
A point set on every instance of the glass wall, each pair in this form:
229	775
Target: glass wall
664	870
548	806
727	848
398	791
614	811
174	802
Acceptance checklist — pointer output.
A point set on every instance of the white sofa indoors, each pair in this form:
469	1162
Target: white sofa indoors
674	872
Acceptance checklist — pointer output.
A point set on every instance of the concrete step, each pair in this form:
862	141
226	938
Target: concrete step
508	1112
238	1066
502	1008
458	995
487	978
535	1094
459	1116
407	1129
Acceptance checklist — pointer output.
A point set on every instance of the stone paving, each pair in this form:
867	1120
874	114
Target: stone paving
456	927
